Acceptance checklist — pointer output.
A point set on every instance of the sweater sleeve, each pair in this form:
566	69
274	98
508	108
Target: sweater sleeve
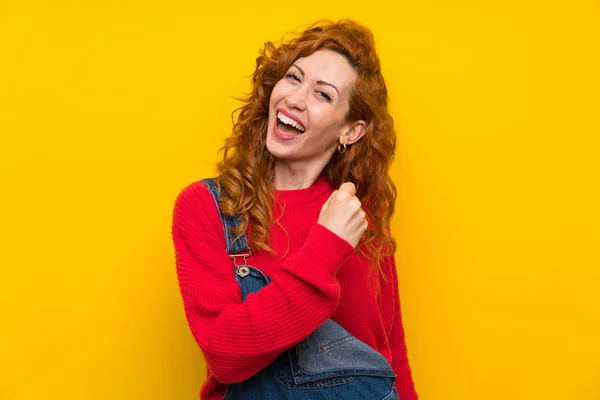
239	339
400	364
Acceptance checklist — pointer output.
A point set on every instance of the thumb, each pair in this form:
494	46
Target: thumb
349	188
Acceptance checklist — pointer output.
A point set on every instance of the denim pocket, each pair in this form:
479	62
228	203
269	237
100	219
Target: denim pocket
333	351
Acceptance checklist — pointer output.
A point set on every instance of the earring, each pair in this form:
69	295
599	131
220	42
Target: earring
341	149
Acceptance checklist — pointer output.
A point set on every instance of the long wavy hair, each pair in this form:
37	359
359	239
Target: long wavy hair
246	172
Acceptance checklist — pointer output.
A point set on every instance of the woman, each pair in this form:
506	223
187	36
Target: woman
289	286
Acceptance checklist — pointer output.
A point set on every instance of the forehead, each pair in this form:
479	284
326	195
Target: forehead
328	66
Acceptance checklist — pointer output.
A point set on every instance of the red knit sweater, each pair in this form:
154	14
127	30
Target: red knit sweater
316	275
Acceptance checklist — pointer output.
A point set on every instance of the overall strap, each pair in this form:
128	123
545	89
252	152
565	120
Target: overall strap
235	248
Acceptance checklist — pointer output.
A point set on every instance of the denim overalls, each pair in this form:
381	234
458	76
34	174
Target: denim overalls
329	364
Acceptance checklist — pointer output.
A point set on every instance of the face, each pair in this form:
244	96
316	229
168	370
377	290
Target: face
308	106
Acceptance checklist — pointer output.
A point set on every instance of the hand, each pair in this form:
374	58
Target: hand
342	214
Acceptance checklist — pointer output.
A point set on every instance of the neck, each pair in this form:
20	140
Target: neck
293	176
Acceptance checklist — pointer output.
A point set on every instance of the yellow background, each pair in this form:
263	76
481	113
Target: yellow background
109	108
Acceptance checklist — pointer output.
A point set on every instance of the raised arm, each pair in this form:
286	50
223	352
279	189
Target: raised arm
238	338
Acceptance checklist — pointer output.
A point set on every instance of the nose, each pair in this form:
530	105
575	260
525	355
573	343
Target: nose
297	99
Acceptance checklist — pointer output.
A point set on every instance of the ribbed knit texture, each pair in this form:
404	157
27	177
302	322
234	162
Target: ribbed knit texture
316	275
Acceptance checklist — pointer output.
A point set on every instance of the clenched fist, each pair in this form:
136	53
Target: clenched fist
342	214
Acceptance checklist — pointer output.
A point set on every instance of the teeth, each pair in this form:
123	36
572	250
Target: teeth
289	121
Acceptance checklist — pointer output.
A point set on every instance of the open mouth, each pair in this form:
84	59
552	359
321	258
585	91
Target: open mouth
288	126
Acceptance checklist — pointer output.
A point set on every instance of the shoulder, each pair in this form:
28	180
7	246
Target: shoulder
195	203
194	193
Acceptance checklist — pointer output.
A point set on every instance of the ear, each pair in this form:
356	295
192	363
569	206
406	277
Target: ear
354	132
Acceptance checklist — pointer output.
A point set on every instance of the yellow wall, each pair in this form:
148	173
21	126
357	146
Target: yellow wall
107	110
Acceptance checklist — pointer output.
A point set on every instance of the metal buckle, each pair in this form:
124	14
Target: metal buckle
242	270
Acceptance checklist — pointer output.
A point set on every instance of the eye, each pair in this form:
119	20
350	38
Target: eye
324	95
293	77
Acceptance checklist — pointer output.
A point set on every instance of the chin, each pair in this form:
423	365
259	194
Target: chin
276	150
279	151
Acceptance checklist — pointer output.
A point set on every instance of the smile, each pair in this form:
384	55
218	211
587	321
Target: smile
282	119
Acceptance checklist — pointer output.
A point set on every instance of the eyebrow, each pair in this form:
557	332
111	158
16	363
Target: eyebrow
318	82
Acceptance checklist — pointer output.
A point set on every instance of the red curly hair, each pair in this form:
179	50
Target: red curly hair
247	170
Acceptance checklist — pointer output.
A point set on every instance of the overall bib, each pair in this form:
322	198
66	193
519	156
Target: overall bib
330	364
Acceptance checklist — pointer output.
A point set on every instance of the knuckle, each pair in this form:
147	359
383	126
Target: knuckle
341	197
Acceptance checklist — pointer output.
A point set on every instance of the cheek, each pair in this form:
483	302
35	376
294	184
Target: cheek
329	121
277	93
